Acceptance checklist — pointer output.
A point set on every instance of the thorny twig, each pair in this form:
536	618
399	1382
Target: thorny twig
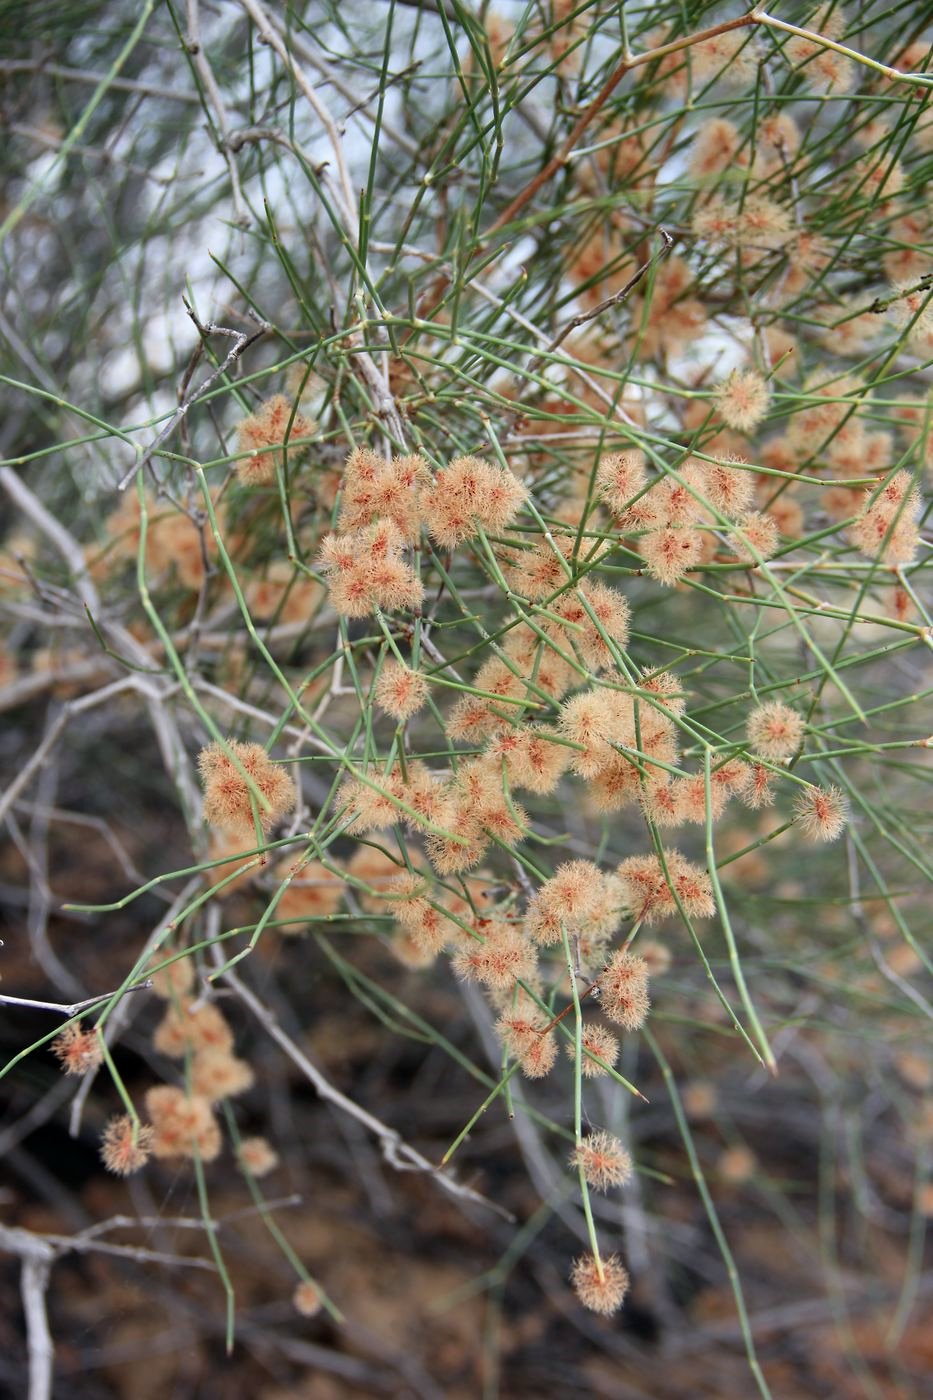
241	344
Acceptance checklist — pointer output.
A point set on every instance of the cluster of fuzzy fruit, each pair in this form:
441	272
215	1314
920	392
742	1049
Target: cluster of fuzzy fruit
243	787
173	541
182	1120
887	528
667	514
498	947
622	741
266	435
385	505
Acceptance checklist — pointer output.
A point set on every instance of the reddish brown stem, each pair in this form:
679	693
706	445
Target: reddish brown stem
599	101
567	1009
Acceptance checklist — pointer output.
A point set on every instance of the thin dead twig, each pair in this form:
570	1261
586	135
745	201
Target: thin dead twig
37	1256
205	72
242	343
76	1244
55	731
398	1153
575	322
85	75
359	104
270	34
76	1007
617	297
45	138
54	531
164	726
98	824
574	366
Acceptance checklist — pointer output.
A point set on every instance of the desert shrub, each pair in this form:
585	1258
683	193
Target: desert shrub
466	673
